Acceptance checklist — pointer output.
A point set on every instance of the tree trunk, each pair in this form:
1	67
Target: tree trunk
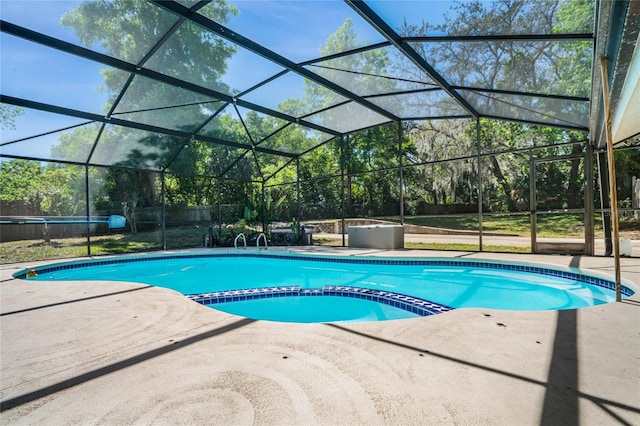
506	187
434	195
573	189
129	211
150	189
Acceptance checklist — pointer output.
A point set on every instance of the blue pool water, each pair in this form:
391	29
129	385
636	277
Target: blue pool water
321	289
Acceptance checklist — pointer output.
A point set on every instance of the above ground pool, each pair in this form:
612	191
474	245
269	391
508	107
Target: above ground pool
303	288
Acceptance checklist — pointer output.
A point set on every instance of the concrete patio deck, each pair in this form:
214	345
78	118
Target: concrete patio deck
125	353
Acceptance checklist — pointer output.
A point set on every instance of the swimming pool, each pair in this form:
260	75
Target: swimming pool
304	288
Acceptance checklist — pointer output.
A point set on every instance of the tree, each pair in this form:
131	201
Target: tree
21	182
627	167
361	72
321	191
8	115
129	30
53	190
430	181
573	59
533	66
368	151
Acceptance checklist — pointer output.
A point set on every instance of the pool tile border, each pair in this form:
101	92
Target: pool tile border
600	282
415	305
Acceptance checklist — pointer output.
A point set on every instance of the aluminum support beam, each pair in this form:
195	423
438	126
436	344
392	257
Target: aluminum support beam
400	173
479	165
533	202
164	213
342	180
88	208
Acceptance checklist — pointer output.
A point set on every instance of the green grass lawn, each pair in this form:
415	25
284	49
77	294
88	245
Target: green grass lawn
548	226
558	226
334	242
29	250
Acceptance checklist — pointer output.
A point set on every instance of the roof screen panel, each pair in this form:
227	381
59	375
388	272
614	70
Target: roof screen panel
85	23
201	57
544	67
297	30
204	158
46	20
323	161
295	139
433	103
436	140
373	72
133	148
228	126
488	17
54	137
243	168
284	176
151	102
552	111
260	126
30	122
347	117
233	163
67	80
270	163
140	26
293	95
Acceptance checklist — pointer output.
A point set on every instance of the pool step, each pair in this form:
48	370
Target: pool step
416	305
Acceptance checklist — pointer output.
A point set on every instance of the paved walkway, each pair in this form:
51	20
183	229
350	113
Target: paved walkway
124	353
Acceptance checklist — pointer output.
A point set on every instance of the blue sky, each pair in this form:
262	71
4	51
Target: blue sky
295	29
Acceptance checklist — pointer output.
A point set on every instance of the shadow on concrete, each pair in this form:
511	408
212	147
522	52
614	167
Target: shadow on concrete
557	381
561	399
73	301
561	404
102	371
575	261
466	254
